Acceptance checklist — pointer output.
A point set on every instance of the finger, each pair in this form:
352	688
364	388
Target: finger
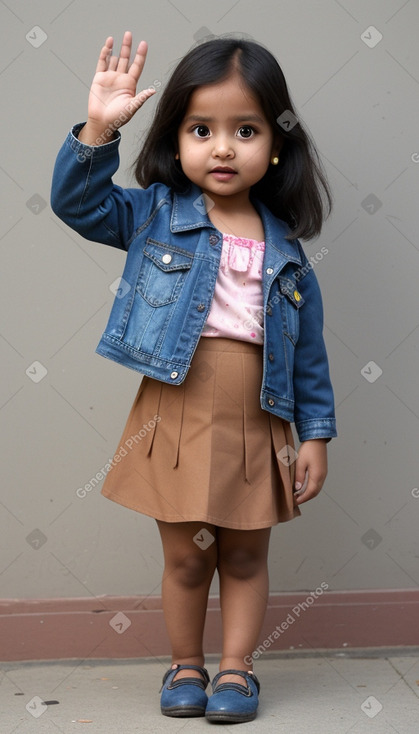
314	485
113	63
125	52
301	483
106	50
307	495
135	103
301	468
137	65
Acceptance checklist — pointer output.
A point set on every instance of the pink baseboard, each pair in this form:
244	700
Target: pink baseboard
133	627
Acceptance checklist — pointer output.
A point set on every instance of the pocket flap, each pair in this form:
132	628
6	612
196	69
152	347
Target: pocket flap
289	289
167	258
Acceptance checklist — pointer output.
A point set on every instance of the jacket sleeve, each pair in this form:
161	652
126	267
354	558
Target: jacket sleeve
85	198
314	411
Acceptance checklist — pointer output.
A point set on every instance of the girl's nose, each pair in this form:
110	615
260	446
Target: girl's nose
222	148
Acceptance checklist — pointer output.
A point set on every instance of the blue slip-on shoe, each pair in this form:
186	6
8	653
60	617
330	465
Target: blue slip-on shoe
233	702
184	696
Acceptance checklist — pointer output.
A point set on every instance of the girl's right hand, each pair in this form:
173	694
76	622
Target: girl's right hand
113	99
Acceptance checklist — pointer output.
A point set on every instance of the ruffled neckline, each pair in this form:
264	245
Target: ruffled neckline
241	251
243	241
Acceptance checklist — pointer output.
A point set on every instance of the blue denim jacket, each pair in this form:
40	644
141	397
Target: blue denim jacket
168	282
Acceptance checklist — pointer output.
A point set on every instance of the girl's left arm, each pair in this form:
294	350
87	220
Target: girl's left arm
313	393
314	409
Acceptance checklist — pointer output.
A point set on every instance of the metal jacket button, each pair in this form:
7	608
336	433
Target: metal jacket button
213	239
271	402
201	307
173	375
271	357
167	259
269	271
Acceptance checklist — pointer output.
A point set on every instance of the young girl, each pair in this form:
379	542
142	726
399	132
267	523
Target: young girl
220	310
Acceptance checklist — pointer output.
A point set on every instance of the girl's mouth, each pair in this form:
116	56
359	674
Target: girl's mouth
222	173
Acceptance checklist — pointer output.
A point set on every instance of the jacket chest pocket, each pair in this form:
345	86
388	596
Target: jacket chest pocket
291	303
162	273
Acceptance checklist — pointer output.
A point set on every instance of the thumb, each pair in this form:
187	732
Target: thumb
129	110
140	98
300	473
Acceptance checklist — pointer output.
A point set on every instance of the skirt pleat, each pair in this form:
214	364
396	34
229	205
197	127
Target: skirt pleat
205	450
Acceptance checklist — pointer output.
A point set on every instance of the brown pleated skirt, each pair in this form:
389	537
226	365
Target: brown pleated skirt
205	450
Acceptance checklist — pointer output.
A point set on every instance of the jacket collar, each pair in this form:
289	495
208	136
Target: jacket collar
189	212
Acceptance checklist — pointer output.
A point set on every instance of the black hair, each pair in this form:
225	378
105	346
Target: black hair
295	190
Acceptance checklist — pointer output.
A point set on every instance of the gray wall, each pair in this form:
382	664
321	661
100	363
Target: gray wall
361	104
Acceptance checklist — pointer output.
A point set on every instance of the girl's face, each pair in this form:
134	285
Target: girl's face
225	141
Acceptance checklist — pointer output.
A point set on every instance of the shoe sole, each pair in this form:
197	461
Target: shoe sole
182	711
232	718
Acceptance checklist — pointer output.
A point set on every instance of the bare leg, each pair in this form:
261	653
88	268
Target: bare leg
244	589
186	581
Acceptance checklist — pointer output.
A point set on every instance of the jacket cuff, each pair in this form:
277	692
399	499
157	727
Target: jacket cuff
92	151
316	428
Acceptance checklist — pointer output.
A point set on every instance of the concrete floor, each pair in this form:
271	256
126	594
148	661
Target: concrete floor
352	692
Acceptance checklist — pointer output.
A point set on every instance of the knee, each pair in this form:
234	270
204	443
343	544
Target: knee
241	563
193	569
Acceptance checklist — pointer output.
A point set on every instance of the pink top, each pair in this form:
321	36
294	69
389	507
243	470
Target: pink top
237	307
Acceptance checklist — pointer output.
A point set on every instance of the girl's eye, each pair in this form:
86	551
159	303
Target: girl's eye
201	131
246	131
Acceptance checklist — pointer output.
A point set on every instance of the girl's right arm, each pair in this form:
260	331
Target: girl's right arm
83	194
113	99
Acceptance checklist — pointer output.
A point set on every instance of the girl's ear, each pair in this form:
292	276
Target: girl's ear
177	157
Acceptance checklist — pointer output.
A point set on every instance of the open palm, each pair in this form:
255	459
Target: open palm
113	97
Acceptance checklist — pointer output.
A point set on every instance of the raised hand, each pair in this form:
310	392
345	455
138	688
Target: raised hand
113	98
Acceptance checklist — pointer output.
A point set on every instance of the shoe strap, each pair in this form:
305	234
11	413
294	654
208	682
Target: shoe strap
203	671
244	674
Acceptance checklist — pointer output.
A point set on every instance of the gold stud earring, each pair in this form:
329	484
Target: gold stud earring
275	161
